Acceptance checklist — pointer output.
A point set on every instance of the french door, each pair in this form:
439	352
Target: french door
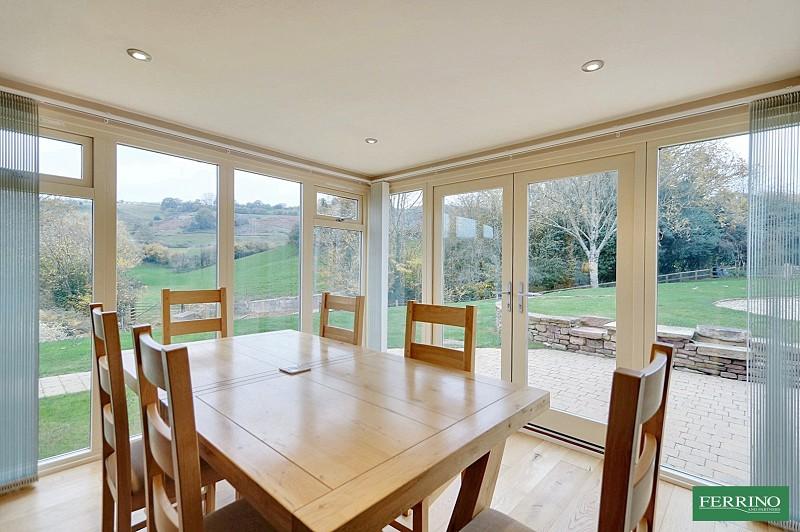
574	260
549	258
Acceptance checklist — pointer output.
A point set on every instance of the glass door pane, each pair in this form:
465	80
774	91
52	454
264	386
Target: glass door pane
573	244
475	264
572	256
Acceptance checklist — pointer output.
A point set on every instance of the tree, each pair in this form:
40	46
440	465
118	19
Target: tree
170	204
703	210
584	207
65	254
472	245
405	249
203	220
337	261
294	238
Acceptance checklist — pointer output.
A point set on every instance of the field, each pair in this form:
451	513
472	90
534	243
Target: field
64	419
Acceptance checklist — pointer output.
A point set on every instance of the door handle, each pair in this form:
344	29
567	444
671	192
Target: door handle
521	295
510	294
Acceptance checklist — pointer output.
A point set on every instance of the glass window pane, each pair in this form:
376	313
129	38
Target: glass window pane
572	257
65	291
166	235
337	206
405	261
472	238
702	303
267	253
60	158
337	269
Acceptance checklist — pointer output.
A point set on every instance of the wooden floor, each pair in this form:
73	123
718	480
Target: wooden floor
545	485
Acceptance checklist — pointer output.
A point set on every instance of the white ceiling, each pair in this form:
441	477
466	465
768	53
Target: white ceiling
430	79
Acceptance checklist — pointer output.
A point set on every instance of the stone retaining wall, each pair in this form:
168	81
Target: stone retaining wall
710	350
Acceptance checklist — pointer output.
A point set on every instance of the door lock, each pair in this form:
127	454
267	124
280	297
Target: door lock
510	294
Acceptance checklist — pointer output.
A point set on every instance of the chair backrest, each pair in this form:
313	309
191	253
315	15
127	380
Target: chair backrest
107	362
191	297
633	443
441	315
171	451
348	304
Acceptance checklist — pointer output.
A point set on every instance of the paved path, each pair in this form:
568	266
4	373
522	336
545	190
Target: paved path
708	425
63	384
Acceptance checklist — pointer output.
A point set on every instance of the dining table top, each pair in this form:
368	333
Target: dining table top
354	441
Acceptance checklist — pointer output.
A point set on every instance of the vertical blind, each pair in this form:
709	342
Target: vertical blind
774	295
19	272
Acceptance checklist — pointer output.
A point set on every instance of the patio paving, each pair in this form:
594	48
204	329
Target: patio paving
64	384
708	418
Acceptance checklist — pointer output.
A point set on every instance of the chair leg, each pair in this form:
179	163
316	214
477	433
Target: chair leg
420	515
123	516
210	498
107	510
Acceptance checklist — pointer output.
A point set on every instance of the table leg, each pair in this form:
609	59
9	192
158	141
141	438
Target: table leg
477	488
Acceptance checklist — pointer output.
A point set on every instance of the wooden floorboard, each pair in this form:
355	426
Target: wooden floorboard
549	487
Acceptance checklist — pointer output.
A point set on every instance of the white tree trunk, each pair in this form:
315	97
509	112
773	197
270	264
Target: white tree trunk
593	258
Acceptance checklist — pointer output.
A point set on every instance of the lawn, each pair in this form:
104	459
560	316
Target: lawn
271	273
64	423
686	304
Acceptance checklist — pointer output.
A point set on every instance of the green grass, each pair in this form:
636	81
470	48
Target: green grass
267	274
686	304
64	423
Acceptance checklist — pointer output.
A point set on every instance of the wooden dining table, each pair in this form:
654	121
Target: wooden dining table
355	441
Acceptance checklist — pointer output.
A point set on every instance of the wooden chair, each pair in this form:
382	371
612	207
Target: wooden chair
437	314
441	356
172	455
632	455
348	304
123	471
190	297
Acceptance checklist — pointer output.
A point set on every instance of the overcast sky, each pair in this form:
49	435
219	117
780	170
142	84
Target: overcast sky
149	176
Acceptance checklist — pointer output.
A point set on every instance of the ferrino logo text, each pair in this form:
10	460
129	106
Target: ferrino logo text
740	503
752	503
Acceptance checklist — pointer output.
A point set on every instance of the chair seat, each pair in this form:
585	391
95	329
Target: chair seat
239	516
493	521
137	467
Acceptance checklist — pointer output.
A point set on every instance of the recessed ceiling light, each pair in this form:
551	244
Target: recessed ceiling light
593	66
139	55
370	140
